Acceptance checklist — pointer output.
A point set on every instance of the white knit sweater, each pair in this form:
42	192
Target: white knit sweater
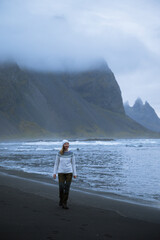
65	163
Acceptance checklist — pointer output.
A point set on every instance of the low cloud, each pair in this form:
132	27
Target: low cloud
67	34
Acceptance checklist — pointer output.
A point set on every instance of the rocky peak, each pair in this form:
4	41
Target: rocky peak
138	104
126	104
147	104
143	114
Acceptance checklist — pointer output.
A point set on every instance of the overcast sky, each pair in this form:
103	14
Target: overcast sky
51	34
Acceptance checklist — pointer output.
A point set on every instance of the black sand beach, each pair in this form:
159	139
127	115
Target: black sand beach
29	210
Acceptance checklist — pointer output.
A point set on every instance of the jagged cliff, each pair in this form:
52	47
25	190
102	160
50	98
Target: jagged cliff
72	104
143	114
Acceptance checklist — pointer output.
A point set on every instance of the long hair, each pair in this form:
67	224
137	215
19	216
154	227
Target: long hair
62	150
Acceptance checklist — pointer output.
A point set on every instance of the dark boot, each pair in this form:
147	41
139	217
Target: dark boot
61	196
64	204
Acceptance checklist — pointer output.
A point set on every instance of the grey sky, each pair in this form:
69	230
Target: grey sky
49	34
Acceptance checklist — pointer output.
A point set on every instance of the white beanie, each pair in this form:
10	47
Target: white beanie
64	141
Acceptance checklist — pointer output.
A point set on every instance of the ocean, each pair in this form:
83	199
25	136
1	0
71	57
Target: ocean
125	169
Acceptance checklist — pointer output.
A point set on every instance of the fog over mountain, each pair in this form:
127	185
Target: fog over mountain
86	104
70	35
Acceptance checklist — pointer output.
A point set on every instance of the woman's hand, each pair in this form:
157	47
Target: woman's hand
54	176
75	176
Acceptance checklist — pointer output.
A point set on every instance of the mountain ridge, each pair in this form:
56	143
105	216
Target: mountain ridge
80	104
144	114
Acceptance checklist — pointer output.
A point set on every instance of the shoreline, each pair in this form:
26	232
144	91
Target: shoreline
111	196
31	181
74	139
29	210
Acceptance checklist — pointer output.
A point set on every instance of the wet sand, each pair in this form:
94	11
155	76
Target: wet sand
29	210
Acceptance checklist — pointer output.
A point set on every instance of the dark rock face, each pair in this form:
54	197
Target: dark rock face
143	114
99	87
77	104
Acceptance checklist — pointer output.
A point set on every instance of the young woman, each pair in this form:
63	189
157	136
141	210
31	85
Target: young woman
66	168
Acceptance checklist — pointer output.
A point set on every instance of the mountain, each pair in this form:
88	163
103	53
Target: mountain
84	104
143	114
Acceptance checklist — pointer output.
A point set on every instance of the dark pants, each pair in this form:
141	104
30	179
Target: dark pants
65	180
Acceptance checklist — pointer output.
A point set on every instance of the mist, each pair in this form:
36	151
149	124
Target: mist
72	35
36	37
49	35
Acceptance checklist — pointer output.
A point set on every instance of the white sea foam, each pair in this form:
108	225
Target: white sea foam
43	149
42	143
73	143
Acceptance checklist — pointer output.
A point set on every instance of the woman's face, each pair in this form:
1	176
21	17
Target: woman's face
66	146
